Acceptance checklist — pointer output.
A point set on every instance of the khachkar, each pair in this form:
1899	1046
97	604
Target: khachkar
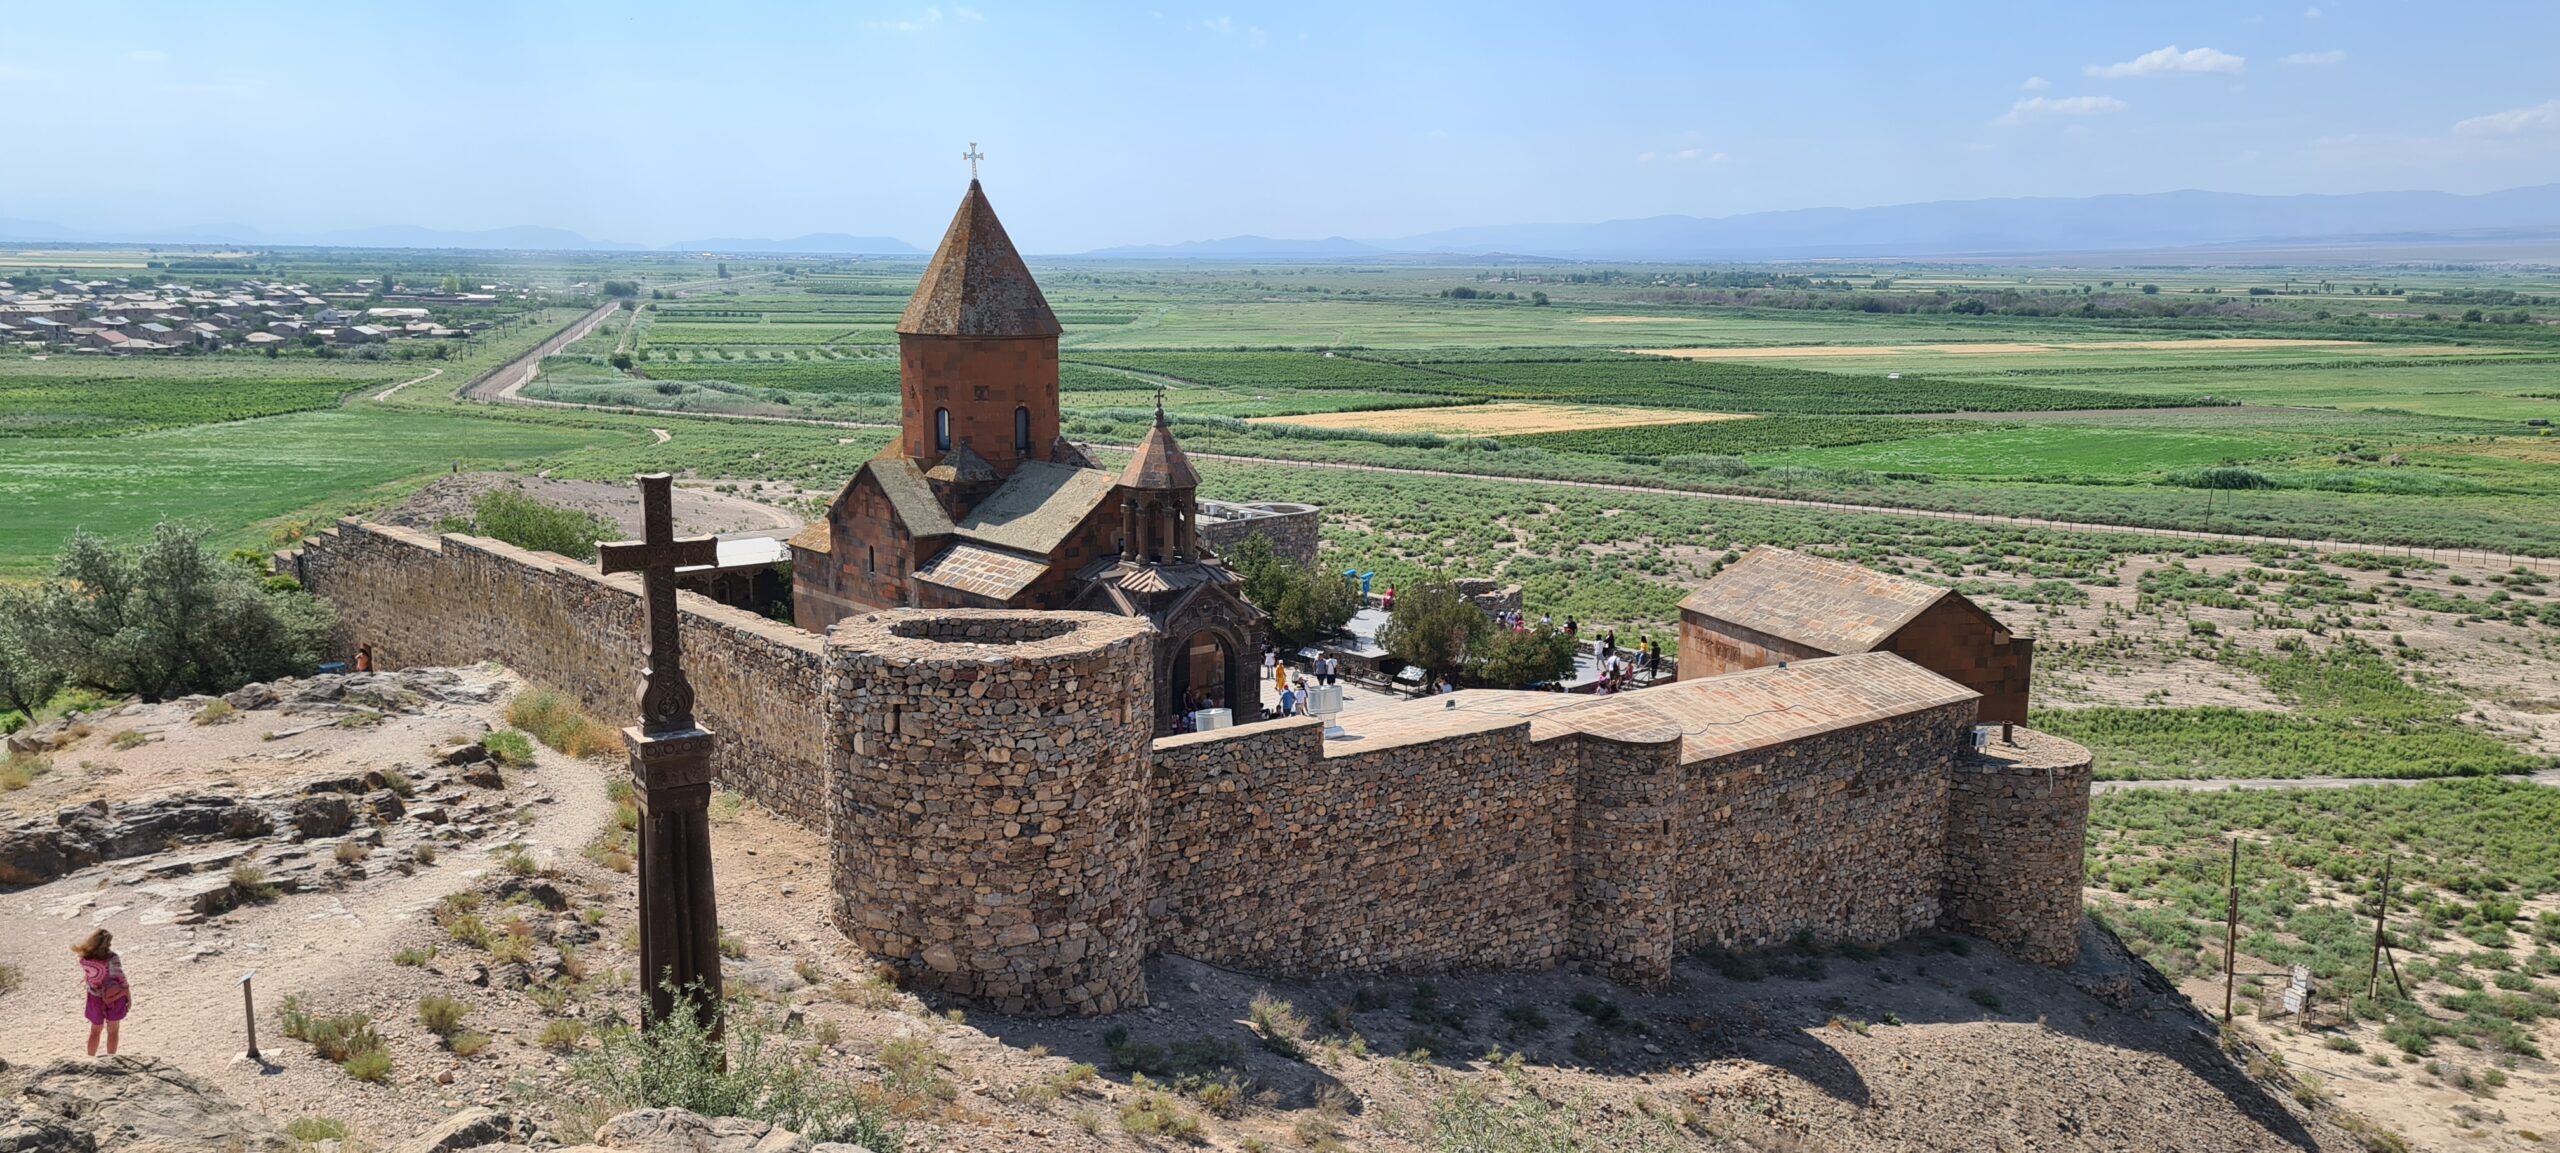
670	774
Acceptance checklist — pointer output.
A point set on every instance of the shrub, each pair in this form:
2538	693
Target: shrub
563	1036
442	1015
1154	1113
680	1064
18	771
372	1066
414	956
509	747
215	712
1983	997
1279	1024
169	617
350	852
467	1044
399	783
10	978
249	882
511	516
316	1129
517	861
558	721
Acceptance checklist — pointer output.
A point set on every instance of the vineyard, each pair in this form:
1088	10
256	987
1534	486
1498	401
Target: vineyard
101	406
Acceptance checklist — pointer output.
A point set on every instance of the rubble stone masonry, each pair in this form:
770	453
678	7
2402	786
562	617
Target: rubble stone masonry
1004	827
990	807
423	599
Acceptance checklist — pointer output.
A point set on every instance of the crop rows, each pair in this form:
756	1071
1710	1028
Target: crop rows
97	406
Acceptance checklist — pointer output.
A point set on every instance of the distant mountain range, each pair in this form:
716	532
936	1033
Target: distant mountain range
1949	228
531	238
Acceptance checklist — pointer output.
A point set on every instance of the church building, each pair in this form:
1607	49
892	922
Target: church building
983	503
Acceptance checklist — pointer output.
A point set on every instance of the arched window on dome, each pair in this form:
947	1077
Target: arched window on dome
1022	431
942	430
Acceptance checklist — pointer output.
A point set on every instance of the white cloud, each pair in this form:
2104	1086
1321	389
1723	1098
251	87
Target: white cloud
147	56
2035	107
2541	117
2170	61
2310	13
1222	25
1644	158
969	15
2332	56
2036	84
931	16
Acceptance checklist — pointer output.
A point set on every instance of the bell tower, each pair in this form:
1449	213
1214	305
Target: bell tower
978	351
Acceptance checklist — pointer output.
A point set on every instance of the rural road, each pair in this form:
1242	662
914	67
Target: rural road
500	383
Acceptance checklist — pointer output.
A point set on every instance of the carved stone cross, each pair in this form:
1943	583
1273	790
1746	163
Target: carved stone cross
973	156
671	777
666	698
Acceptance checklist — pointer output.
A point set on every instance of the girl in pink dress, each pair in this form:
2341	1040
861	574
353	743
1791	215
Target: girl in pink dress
109	996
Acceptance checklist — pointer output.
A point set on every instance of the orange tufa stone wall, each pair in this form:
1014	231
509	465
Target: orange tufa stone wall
1003	827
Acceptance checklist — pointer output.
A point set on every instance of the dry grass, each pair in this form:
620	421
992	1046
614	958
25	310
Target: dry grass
557	720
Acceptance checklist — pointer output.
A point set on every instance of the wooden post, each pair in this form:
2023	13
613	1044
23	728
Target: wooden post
249	1006
2381	907
2231	931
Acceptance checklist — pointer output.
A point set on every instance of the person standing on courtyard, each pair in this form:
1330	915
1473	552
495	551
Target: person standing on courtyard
110	998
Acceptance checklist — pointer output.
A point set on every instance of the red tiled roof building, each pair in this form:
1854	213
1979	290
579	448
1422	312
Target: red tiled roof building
982	503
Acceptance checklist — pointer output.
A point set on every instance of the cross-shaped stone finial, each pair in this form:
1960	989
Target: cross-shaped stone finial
666	699
973	156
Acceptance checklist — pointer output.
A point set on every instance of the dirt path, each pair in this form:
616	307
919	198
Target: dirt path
388	393
663	435
331	946
2549	777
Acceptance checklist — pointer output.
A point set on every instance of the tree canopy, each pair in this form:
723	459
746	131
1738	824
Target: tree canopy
161	619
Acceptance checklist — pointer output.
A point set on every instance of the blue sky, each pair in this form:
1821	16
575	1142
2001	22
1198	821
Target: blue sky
1111	124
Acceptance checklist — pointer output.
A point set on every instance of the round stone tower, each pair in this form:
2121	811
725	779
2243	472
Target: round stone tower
989	809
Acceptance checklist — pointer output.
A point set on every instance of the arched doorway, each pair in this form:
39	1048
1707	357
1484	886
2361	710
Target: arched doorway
1203	664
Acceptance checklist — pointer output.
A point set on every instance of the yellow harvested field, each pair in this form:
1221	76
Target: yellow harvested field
2008	348
1508	417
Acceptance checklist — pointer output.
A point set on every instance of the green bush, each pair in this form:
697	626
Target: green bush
161	619
511	516
509	747
442	1016
679	1064
559	721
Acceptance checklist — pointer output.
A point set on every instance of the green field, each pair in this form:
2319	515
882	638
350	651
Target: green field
241	479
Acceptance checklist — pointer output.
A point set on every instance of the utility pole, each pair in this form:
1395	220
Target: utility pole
2231	931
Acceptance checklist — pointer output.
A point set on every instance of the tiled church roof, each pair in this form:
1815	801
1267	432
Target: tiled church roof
977	284
1159	463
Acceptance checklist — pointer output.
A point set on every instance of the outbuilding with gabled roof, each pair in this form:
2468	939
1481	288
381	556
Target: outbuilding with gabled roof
1777	605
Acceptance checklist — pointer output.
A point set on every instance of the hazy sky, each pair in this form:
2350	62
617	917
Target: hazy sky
1110	124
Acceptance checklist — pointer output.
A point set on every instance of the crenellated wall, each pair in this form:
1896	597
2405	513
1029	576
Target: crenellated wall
1003	826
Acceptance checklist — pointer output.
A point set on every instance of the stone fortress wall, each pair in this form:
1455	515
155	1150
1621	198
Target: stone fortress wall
1291	528
1004	827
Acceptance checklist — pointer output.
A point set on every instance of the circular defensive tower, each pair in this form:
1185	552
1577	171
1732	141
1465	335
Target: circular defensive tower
989	809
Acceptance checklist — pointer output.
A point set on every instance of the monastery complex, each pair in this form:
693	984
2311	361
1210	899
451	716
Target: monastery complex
992	626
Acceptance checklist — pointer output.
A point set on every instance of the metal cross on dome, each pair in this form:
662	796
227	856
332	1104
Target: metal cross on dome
973	156
666	698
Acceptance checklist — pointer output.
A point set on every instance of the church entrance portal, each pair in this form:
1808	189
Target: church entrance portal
1202	667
